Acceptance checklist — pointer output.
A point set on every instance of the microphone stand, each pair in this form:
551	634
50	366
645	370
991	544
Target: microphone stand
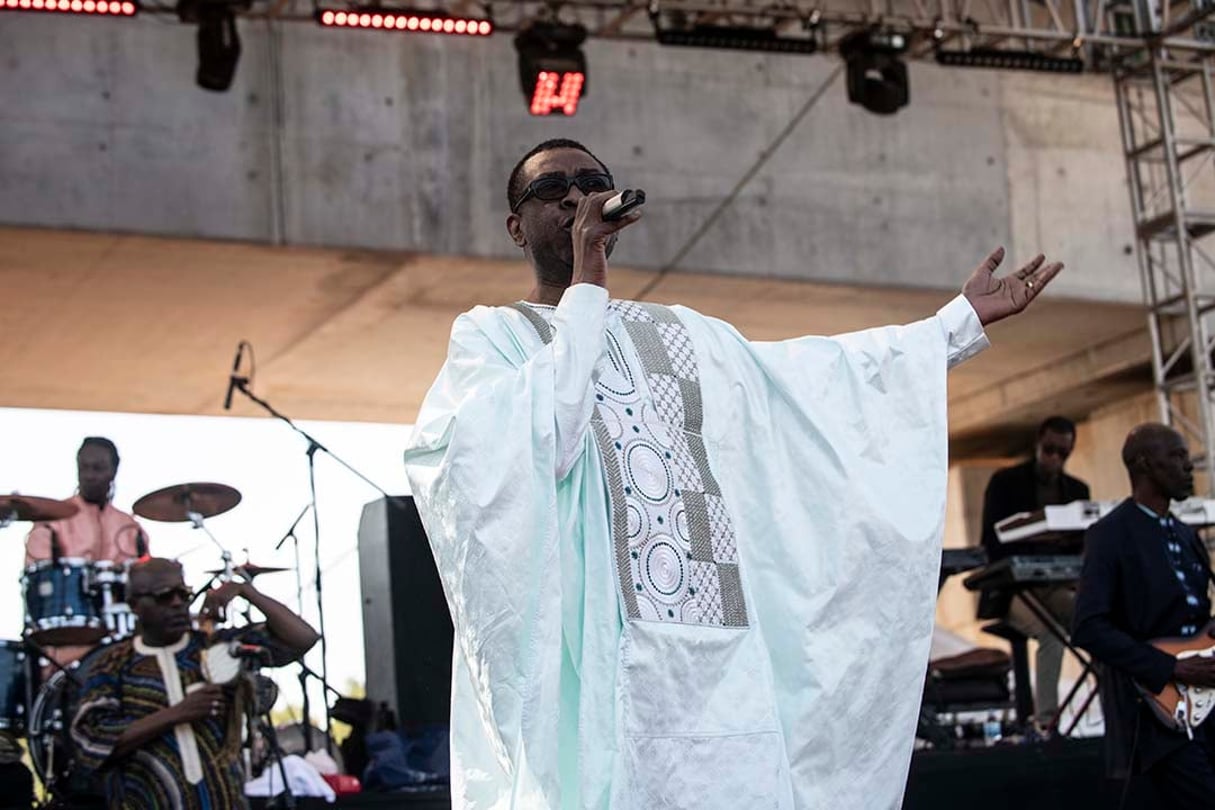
242	384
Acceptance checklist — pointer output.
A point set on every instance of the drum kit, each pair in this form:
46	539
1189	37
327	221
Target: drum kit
82	604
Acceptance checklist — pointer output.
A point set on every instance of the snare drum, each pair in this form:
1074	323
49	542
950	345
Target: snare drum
12	686
59	610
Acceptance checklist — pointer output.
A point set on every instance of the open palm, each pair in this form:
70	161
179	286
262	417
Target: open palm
996	298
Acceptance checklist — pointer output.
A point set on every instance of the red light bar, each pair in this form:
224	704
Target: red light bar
557	92
403	21
102	8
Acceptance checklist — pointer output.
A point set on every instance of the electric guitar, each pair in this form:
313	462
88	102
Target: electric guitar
1183	707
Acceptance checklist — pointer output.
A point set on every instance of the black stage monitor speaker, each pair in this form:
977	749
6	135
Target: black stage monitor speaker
407	633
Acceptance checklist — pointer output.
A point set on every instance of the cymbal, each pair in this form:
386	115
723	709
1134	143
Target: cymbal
28	507
249	570
170	505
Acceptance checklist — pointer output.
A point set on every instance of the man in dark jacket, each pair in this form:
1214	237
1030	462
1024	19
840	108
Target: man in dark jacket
1027	487
1145	576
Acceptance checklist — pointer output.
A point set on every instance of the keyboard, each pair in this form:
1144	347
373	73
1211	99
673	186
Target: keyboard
1026	571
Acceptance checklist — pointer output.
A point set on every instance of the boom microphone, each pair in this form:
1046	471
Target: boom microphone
233	380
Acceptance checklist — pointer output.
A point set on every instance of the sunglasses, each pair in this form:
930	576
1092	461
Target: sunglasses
1056	450
554	188
165	598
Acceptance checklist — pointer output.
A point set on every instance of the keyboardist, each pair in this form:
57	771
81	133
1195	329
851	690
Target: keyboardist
1027	487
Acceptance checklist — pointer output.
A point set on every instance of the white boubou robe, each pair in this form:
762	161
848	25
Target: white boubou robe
686	570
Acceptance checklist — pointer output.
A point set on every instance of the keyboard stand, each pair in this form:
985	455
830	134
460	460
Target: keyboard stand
1031	601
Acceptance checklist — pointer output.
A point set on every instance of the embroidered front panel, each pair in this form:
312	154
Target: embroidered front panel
674	543
676	554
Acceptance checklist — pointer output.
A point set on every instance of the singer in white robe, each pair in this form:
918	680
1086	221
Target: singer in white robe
685	570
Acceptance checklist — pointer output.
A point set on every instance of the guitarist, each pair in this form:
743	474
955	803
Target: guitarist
1145	576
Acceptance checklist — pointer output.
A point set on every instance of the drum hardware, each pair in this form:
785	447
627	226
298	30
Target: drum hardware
244	385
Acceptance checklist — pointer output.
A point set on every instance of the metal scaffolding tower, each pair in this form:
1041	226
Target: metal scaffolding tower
1166	108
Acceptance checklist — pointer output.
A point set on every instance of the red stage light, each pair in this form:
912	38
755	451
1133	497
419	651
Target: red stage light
557	92
105	8
404	21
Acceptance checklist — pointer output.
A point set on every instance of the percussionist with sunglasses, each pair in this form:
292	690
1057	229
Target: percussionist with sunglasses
1027	487
151	720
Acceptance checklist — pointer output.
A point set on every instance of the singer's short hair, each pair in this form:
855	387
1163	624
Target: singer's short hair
104	444
1057	424
515	187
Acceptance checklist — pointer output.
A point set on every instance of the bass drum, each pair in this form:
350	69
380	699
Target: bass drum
50	741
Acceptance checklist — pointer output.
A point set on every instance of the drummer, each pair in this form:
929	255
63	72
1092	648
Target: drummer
98	530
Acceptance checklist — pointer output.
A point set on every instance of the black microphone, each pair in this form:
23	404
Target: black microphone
141	544
233	380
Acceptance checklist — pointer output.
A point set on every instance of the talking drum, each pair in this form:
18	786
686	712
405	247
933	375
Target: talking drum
12	686
59	609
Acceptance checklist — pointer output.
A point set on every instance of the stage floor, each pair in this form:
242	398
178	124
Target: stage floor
1060	775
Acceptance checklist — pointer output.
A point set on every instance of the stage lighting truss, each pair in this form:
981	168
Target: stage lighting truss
552	67
95	8
679	28
385	19
1002	59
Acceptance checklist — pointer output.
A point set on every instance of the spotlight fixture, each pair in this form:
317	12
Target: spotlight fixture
552	68
1009	60
877	77
675	31
97	8
218	40
426	22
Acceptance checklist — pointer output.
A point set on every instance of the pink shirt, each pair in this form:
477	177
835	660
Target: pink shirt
94	533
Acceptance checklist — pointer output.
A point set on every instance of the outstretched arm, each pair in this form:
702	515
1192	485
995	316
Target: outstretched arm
994	299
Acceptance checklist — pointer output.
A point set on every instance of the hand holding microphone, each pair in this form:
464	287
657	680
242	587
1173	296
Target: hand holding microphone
599	217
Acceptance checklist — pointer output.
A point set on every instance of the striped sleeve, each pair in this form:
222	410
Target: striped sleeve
100	719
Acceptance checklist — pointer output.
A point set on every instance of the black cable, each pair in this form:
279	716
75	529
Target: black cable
767	153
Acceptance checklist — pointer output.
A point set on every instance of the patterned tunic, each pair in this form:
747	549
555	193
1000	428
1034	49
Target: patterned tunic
193	767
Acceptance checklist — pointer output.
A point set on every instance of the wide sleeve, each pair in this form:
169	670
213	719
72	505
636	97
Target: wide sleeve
1098	594
99	720
832	454
506	419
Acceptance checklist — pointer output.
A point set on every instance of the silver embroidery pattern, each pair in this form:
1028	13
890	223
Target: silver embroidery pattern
674	542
